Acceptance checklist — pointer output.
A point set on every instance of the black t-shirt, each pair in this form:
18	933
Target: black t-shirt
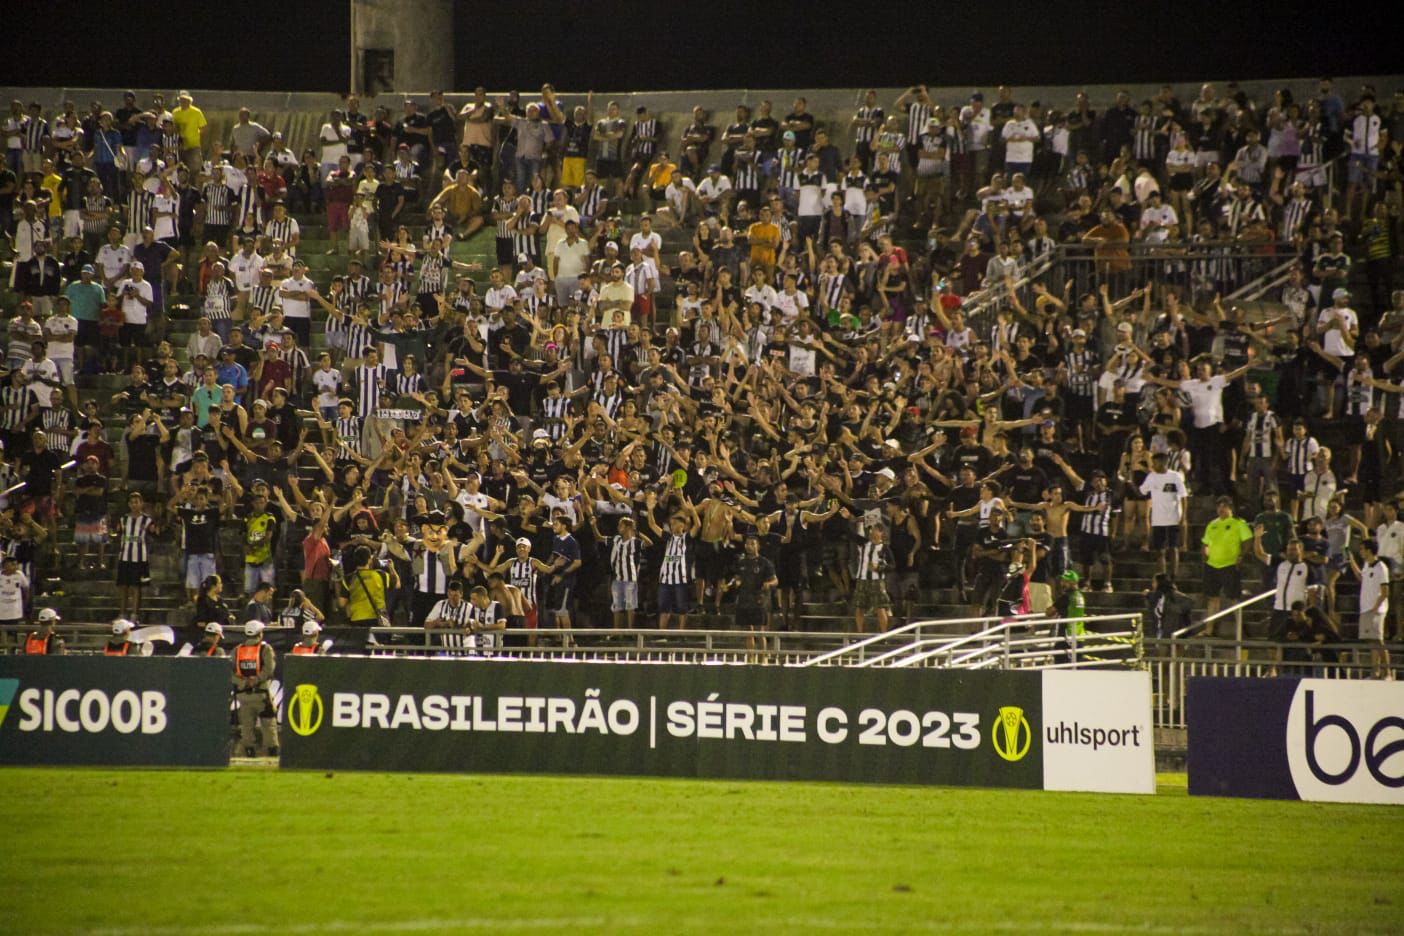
90	499
201	530
441	125
752	573
415	121
41	467
141	457
1026	485
805	135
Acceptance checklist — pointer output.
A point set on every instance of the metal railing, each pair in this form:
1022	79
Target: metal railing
1236	611
1172	662
905	636
1043	639
1253	291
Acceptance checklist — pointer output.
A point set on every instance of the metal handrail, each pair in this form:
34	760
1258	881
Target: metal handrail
1253	290
887	635
1003	630
1220	615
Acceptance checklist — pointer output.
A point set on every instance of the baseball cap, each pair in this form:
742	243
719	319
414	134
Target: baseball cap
49	614
977	96
253	628
523	541
1079	333
88	268
887	473
789	134
214	627
1071	576
122	626
311	628
1124	327
1341	294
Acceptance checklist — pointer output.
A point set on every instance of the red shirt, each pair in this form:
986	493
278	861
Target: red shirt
101	449
316	559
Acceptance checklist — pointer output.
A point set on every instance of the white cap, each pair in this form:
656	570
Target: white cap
892	443
253	628
122	626
214	627
523	541
311	628
48	614
887	473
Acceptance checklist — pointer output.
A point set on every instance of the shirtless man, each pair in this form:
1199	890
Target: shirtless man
714	554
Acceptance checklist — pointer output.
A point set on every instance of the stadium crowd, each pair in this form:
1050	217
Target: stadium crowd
857	378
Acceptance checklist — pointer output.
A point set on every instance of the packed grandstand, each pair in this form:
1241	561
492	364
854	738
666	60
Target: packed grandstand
542	361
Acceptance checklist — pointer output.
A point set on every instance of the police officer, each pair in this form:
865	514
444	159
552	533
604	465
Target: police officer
120	644
209	644
45	641
309	645
254	663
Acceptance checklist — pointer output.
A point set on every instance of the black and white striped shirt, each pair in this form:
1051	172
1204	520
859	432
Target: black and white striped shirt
431	274
592	196
609	403
1098	523
522	242
458	616
645	138
282	230
1261	431
218	201
401	383
1082	371
437	230
676	567
16	403
521	575
1294	217
746	171
624	556
864	132
348	432
139	209
133	543
540	200
917	116
873	562
263	298
432	578
789	162
219	298
358	340
35	130
1143	138
1298	454
368	384
58	427
504	205
553	412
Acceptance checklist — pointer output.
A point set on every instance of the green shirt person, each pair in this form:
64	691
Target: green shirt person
1072	605
1276	524
1223	547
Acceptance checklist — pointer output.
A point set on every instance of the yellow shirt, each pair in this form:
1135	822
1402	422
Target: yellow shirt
189	121
51	183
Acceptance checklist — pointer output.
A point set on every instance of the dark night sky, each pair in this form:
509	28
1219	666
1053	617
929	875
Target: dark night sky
697	45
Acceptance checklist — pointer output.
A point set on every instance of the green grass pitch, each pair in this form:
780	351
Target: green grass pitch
249	851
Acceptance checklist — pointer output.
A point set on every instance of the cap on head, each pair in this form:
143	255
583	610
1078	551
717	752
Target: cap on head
523	541
216	628
122	626
48	614
311	628
253	628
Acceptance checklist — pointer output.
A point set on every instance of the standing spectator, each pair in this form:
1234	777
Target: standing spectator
1374	603
1167	492
1223	549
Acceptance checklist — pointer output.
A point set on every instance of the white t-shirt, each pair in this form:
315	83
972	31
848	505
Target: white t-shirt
1390	536
571	259
245	270
113	260
1333	342
1291	579
297	308
645	241
133	312
1374	585
499	298
12	589
1021	151
326	382
163	216
764	294
1206	400
1166	490
710	190
790	306
60	331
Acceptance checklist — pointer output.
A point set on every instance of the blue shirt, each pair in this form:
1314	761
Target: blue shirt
567	547
233	374
86	300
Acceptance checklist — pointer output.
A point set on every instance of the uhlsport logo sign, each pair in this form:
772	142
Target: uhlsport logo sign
1332	740
110	710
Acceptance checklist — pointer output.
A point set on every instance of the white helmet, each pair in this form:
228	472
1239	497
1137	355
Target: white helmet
122	626
311	628
48	614
216	628
253	628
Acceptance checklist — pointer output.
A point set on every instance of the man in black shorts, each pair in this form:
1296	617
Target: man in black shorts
753	581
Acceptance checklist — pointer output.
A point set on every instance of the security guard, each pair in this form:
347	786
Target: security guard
209	645
254	662
309	645
45	641
120	644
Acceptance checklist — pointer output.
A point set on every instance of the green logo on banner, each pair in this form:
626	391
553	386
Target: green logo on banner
8	688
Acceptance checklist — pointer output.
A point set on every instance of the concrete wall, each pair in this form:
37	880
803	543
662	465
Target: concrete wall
419	31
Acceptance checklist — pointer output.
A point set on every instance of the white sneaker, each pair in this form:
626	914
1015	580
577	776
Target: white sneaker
1108	587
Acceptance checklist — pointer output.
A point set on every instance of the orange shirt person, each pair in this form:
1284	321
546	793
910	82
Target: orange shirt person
764	236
